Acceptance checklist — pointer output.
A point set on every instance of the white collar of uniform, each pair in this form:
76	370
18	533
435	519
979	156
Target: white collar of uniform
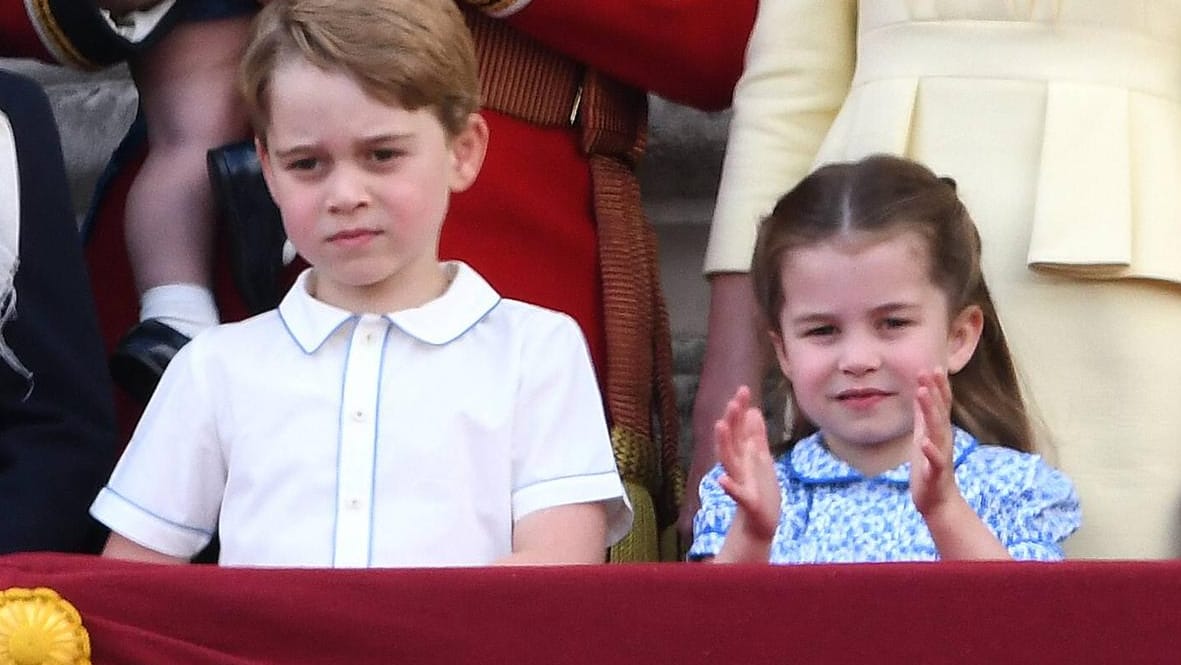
467	300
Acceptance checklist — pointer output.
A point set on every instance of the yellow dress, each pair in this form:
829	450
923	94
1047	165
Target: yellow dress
1061	122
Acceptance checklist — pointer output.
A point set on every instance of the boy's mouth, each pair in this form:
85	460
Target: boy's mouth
352	234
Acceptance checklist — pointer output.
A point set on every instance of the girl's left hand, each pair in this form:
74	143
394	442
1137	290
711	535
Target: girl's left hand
932	470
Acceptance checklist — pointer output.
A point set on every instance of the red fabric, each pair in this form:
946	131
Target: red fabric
690	51
1078	612
526	224
18	39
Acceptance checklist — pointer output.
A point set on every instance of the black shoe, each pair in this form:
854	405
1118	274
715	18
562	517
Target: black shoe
141	356
253	226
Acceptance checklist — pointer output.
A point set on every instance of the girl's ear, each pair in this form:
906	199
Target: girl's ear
963	336
468	148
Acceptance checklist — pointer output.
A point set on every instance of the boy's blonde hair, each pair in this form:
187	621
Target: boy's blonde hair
407	53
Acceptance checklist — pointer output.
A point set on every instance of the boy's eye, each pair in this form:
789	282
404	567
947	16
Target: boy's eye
820	331
303	164
385	154
895	322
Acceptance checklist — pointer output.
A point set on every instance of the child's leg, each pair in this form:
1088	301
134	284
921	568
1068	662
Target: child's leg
186	86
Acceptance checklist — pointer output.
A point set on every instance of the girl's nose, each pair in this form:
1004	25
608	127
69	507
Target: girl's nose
858	358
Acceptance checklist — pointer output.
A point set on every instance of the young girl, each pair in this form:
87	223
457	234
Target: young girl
868	275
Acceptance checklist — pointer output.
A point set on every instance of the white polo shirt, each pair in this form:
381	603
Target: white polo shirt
312	436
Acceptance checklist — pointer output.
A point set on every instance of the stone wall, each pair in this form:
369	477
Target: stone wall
679	180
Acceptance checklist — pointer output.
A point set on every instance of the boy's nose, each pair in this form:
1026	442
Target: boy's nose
346	191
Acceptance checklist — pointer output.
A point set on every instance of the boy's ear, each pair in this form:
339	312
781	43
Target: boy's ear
467	152
963	336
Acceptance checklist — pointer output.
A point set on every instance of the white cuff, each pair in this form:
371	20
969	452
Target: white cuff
137	25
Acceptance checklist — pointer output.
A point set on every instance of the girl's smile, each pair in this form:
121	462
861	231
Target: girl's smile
862	399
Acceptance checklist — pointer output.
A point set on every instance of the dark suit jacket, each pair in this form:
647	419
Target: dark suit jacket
57	428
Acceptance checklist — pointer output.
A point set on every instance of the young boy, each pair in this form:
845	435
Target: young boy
394	410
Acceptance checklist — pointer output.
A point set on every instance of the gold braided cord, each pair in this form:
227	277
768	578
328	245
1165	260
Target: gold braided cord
45	18
637	458
642	543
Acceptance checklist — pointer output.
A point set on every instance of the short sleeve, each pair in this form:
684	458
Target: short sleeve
713	519
561	447
1036	516
165	493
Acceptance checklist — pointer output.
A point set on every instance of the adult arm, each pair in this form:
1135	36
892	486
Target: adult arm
57	425
689	51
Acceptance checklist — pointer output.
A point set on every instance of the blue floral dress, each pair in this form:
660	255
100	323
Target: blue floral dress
831	513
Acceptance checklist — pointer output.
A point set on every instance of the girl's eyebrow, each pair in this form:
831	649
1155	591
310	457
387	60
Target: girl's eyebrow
821	316
811	317
894	306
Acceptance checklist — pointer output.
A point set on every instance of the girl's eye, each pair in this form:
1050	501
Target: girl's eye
895	322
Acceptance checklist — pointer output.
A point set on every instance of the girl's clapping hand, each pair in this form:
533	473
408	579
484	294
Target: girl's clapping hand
740	440
932	464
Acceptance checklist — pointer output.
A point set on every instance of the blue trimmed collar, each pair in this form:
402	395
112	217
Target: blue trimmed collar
811	462
467	300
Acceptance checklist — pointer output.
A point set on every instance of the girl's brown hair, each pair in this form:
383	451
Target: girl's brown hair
883	194
407	53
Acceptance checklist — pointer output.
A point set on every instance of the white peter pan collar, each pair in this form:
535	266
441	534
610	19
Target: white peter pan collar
467	300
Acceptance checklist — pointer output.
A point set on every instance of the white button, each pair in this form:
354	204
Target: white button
358	415
353	504
368	338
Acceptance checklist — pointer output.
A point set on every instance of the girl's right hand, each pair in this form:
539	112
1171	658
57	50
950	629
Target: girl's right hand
740	441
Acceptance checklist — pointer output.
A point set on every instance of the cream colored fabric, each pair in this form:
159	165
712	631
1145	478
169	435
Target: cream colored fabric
1061	122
